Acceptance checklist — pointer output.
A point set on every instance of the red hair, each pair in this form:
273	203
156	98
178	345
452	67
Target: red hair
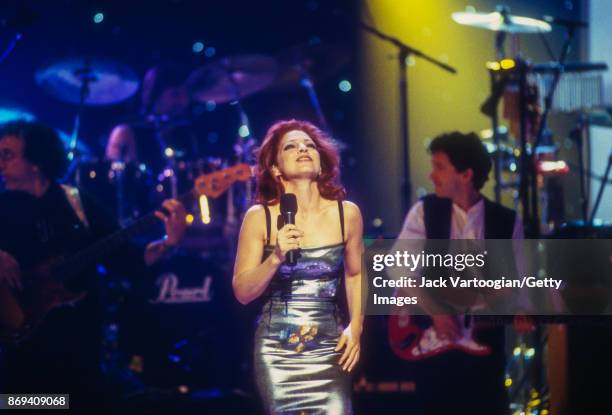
270	189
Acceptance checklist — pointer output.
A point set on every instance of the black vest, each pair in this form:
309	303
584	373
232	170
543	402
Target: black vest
498	220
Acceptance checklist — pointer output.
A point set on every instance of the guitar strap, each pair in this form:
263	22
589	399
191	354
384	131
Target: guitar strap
72	194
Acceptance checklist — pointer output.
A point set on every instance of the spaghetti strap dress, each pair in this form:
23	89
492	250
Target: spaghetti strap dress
296	367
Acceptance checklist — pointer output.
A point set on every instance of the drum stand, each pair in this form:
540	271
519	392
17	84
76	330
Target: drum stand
86	76
528	174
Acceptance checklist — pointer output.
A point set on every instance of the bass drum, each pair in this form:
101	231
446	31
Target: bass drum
179	326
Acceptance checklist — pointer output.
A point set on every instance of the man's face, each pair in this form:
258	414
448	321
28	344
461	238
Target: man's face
15	170
446	179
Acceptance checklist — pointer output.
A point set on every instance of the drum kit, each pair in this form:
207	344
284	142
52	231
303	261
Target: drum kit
181	350
525	150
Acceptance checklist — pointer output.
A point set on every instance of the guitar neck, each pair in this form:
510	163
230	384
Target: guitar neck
94	253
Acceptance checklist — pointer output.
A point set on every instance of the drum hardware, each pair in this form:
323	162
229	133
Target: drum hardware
580	87
86	82
124	188
502	21
519	74
232	78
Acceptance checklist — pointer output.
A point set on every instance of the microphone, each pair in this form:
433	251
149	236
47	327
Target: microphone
288	208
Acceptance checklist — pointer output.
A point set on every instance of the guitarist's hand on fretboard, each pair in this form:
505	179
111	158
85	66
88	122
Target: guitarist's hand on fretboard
173	214
10	273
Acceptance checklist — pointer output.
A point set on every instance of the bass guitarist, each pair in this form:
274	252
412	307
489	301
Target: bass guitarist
41	219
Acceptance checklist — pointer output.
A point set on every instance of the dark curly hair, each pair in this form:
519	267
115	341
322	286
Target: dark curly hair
465	151
270	189
42	146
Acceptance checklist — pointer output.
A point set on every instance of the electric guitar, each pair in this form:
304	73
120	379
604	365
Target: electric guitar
43	285
415	338
411	341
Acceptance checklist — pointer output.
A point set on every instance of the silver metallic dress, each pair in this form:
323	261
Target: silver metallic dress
295	363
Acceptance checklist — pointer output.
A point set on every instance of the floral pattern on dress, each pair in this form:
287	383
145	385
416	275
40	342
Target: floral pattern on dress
301	336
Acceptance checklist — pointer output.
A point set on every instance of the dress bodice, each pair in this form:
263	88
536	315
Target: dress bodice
316	276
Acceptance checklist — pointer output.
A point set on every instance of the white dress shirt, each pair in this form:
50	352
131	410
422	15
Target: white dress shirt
468	224
464	224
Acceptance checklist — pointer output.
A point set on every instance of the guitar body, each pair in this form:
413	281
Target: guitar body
413	342
22	311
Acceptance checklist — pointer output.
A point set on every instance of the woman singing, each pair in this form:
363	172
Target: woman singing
302	354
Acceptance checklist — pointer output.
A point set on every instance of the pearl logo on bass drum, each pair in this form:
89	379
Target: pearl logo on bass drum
170	293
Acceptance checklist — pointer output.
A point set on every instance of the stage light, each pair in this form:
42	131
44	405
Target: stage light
204	210
98	18
534	403
169	152
197	47
493	65
530	353
508	382
243	131
345	86
377	222
168	173
513	167
516	351
507	63
189	219
210	106
92	174
210	52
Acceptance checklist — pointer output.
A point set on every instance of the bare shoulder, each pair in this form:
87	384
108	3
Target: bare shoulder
351	210
255	213
254	224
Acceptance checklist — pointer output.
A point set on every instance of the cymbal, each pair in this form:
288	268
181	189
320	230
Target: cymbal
501	22
231	78
315	61
107	82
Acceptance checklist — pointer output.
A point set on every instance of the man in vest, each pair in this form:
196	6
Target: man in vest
39	218
454	382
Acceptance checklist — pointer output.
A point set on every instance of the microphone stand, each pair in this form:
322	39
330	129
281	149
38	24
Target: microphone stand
404	52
